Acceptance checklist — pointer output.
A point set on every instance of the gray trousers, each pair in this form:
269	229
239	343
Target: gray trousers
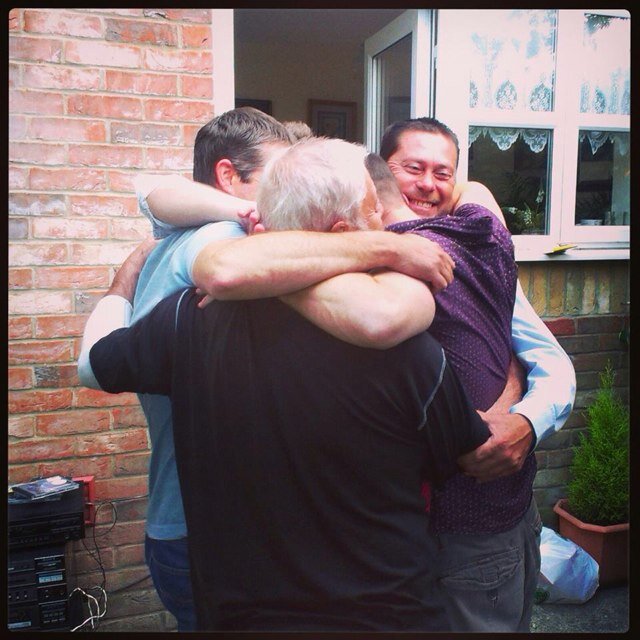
488	581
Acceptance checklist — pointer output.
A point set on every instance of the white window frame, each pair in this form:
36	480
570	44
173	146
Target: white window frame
564	122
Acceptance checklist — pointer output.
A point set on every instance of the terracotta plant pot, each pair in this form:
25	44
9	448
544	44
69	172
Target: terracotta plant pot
607	545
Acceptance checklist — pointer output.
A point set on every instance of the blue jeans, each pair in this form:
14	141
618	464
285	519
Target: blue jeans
168	562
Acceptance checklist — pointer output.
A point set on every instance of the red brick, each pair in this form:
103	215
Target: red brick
40	77
189	132
130	555
112	442
86	301
124	532
196	87
18	177
137	229
20	278
64	23
70	228
67	129
196	36
105	106
22	426
20	328
60	326
126	417
96	206
24	254
15	16
41	449
39	400
138	31
39	352
178	61
20	378
23	473
69	422
132	13
83	563
100	466
15	75
18	229
28	204
133	510
106	156
169	159
40	102
72	277
93	398
147	134
189	15
32	302
102	253
561	326
122	181
141	83
52	375
35	49
37	153
600	324
178	110
102	54
132	464
67	179
17	127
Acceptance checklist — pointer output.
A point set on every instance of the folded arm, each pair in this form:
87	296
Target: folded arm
377	310
282	262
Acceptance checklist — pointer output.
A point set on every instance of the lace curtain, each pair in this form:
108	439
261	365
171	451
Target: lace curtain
598	138
605	65
536	139
513	59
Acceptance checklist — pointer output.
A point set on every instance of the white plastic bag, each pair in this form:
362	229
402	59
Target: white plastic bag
568	574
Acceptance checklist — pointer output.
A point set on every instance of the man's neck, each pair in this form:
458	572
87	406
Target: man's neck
400	214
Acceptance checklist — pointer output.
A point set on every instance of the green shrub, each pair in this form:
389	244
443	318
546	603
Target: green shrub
598	490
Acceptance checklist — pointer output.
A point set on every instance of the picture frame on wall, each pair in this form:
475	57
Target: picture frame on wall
333	119
262	105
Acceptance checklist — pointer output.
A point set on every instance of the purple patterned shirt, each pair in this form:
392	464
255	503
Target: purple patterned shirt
473	324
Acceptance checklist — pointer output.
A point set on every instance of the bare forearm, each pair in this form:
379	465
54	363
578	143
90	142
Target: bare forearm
476	193
185	203
369	310
514	388
278	263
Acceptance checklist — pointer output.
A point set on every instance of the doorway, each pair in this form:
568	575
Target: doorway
286	57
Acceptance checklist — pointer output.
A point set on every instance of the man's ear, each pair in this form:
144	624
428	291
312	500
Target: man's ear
341	225
225	174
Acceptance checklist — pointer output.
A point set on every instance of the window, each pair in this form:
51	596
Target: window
541	104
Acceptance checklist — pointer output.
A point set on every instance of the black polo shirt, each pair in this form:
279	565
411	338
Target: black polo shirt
300	460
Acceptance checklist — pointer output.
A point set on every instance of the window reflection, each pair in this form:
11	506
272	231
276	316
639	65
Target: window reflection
513	164
602	190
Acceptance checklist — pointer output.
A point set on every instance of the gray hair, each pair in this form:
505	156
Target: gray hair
312	185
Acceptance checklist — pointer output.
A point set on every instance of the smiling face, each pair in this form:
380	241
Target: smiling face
424	166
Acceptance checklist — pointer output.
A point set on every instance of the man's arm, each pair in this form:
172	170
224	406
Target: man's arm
172	202
476	193
113	311
282	262
377	310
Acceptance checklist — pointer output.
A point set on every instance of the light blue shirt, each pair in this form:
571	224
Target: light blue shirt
168	269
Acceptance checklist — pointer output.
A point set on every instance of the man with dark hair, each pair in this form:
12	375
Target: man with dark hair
488	533
285	262
301	456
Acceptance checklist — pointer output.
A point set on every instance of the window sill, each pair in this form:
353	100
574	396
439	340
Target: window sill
524	254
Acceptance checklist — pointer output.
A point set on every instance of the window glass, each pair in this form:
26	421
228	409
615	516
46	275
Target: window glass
514	165
602	190
605	65
513	60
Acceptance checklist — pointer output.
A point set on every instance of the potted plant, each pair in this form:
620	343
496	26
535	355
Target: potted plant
595	515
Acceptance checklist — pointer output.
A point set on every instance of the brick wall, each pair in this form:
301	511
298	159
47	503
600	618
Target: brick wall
95	96
586	306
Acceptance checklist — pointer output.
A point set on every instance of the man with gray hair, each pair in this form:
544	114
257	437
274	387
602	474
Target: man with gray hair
307	451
